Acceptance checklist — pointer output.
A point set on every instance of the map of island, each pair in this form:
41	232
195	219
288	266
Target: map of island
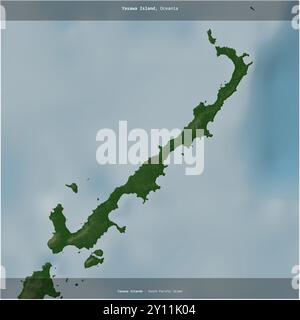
39	284
143	181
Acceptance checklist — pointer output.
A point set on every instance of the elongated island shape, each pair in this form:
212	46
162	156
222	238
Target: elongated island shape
143	181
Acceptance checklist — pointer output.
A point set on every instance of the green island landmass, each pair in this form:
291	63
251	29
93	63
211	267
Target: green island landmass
73	186
211	39
94	259
143	181
39	284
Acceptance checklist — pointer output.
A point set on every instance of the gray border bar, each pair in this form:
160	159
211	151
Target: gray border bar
166	288
114	10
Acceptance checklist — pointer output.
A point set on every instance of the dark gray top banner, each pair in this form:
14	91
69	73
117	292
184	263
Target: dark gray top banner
150	10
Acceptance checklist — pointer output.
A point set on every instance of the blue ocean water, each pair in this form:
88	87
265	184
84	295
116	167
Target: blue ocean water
270	133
